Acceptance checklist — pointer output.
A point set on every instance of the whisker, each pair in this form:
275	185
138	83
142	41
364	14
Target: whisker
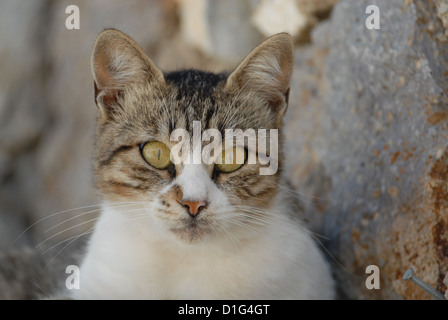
235	217
85	213
59	213
302	196
87	232
52	215
65	230
70	242
91	230
245	226
268	216
314	235
224	228
74	238
75	226
228	234
331	255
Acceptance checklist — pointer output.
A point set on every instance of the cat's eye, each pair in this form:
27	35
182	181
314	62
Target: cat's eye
231	159
156	154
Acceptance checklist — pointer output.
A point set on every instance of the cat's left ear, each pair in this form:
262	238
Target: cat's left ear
267	72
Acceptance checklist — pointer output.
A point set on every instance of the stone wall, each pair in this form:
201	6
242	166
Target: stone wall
368	139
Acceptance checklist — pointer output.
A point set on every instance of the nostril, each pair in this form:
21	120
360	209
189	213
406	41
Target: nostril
193	207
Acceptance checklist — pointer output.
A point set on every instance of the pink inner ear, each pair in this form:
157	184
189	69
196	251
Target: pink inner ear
102	73
285	75
109	97
105	81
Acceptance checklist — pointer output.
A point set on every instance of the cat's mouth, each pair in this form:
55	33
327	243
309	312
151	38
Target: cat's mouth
192	230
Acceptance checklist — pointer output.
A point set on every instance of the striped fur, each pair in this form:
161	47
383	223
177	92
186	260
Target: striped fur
246	241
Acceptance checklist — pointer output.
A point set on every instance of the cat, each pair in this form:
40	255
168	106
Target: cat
189	230
181	230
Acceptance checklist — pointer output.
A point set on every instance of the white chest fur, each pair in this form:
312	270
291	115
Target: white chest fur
125	262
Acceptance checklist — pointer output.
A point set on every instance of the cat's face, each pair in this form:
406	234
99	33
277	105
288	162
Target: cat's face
139	108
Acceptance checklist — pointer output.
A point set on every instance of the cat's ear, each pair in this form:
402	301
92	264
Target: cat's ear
117	62
267	72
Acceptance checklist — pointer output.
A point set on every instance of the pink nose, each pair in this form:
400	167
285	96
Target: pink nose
194	206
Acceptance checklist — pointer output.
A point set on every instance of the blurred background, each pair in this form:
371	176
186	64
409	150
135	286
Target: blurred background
366	127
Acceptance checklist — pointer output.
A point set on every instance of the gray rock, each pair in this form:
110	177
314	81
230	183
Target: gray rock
370	110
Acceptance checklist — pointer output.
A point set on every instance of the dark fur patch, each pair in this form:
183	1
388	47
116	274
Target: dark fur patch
111	156
194	81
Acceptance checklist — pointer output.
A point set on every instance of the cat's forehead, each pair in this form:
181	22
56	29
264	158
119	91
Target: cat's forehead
189	96
200	96
194	96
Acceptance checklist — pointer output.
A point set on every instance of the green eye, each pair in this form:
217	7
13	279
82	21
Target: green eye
156	154
232	159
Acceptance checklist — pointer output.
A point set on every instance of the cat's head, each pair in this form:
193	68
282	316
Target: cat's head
139	109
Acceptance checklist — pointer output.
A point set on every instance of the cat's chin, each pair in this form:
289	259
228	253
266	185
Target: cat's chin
191	233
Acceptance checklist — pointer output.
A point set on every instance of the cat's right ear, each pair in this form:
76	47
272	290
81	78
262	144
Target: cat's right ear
267	72
118	62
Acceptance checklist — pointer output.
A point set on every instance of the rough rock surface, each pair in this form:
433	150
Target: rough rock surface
368	144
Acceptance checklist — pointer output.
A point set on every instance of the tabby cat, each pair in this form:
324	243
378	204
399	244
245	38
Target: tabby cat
193	230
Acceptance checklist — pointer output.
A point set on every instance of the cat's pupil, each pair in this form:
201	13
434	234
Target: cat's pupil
158	154
230	157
